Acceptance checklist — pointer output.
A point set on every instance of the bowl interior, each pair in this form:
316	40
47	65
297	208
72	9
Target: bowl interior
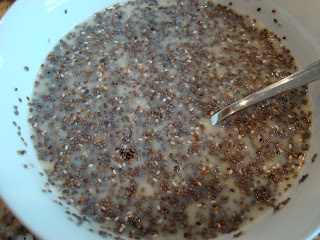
27	39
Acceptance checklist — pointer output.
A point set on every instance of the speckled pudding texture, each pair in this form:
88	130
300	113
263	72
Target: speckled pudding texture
10	228
121	118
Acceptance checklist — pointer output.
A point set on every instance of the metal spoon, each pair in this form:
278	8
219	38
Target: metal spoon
306	75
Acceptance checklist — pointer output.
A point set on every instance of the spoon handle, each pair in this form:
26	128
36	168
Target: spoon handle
306	75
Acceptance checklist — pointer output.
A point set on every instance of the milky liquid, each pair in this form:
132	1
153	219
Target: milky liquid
121	114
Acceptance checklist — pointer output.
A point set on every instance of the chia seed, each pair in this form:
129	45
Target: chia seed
22	152
281	205
237	234
314	157
303	178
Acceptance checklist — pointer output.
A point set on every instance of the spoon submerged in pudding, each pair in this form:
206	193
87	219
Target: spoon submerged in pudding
306	75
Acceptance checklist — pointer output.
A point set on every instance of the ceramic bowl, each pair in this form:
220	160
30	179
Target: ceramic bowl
28	32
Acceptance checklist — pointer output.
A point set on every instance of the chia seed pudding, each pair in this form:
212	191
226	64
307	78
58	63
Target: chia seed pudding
121	120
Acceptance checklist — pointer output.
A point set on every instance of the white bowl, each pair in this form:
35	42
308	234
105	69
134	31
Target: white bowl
28	32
